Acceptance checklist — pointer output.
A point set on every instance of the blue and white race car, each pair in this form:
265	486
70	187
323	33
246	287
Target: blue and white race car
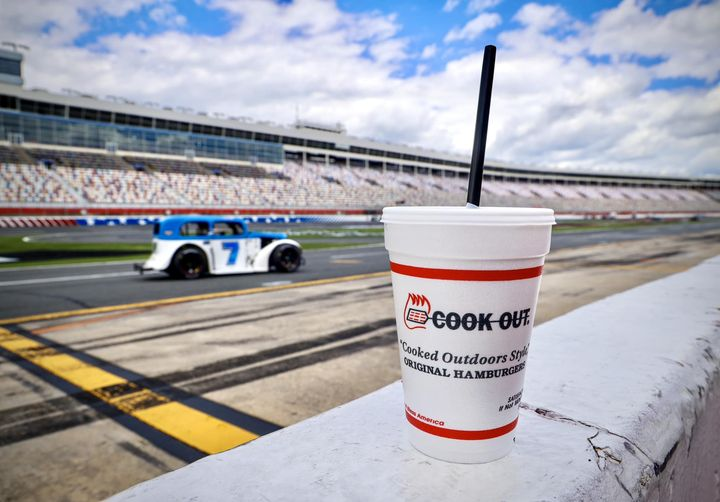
193	246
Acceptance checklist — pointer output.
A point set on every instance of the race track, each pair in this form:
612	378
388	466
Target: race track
79	391
52	289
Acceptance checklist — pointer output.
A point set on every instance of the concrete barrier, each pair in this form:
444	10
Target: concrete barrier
622	402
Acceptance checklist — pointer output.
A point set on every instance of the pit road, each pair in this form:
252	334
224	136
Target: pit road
92	404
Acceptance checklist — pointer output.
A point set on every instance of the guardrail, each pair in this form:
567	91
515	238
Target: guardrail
622	401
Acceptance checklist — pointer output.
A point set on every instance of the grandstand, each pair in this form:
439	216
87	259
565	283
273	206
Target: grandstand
74	152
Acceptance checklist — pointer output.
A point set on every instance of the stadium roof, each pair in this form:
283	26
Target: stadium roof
306	138
119	105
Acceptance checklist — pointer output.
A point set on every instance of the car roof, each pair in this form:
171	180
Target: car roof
173	224
201	217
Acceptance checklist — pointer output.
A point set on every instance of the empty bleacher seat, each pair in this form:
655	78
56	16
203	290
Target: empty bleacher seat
31	184
136	180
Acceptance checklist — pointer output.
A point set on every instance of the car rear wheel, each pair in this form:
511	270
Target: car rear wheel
286	258
188	263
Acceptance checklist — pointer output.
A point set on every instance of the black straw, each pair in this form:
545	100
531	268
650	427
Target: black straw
481	127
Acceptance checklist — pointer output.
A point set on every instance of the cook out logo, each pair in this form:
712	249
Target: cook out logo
417	311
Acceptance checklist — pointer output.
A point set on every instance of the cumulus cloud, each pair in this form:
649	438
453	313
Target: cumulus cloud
474	28
686	39
167	15
450	5
477	6
553	104
541	17
429	51
58	22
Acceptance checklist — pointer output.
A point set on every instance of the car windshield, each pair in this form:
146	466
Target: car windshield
193	228
227	228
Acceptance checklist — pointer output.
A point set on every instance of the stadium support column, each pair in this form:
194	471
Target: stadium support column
304	158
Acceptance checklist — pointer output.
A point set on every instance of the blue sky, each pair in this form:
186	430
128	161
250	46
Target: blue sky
629	85
201	20
421	23
424	22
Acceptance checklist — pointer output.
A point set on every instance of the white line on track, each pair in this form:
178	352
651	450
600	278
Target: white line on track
38	238
67	278
275	283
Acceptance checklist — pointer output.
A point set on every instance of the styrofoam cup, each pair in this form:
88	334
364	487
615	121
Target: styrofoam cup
465	286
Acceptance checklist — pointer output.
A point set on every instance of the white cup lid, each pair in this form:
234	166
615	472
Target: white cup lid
459	215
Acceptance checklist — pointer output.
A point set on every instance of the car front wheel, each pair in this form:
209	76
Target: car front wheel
188	263
286	258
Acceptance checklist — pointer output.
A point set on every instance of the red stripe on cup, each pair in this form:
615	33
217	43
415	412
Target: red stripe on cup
467	275
459	434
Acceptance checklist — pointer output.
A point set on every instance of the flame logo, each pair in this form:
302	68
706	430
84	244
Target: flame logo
417	311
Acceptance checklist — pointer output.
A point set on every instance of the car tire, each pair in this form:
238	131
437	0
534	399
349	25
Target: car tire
188	263
286	258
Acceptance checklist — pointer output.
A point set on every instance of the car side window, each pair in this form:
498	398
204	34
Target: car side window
194	228
227	228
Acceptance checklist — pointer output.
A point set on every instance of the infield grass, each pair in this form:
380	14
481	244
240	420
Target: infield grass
31	252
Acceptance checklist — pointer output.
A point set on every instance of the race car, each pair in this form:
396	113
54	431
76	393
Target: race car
192	246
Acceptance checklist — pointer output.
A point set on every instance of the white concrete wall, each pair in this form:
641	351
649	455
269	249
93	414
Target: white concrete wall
621	402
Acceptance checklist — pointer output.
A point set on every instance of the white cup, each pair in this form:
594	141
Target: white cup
465	285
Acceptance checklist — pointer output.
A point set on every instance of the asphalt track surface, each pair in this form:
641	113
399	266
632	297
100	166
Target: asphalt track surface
38	290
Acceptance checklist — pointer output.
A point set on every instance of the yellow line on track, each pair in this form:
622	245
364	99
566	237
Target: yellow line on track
193	427
184	299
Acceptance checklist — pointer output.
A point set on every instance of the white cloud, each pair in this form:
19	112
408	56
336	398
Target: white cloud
56	23
551	106
533	39
450	5
474	28
391	50
477	6
688	38
429	51
167	15
541	17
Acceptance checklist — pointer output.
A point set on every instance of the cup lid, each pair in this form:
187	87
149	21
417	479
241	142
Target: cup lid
459	215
